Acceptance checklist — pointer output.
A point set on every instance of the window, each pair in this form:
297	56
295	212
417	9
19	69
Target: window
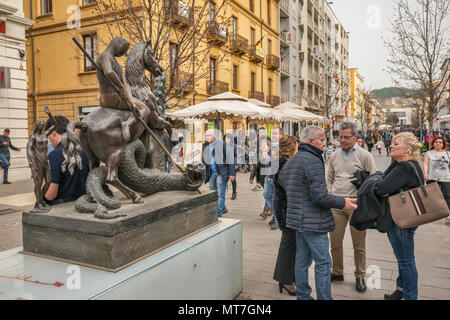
212	12
235	70
252	5
252	81
88	1
90	45
212	70
270	87
234	26
252	36
173	58
46	7
268	12
269	46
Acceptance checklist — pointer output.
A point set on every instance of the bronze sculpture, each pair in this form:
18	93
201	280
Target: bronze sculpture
108	132
39	164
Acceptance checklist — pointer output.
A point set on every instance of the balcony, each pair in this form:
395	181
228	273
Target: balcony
256	54
183	81
181	14
273	100
238	45
285	66
216	87
284	6
272	61
216	33
256	95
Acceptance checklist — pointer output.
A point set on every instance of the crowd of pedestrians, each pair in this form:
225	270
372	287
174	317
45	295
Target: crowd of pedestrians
312	203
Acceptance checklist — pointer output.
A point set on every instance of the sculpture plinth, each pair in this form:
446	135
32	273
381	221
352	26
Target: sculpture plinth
111	245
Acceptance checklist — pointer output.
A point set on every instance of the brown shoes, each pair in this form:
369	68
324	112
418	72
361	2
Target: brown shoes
266	213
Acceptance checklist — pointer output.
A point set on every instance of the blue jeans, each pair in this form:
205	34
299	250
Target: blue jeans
402	241
313	246
5	158
269	191
167	164
216	182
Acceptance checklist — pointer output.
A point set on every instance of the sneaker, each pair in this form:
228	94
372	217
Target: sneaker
6	182
233	196
274	226
225	211
272	221
397	295
257	188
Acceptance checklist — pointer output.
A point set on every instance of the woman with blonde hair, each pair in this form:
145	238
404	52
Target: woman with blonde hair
403	174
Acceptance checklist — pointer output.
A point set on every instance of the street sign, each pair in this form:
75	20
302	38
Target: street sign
5	77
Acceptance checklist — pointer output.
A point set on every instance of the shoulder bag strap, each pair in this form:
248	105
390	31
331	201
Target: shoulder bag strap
417	174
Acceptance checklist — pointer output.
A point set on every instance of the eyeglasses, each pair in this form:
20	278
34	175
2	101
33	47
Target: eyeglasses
346	137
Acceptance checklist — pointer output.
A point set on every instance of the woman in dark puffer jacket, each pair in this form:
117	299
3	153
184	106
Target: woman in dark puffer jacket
284	268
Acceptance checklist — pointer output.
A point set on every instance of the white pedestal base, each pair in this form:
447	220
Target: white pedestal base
205	266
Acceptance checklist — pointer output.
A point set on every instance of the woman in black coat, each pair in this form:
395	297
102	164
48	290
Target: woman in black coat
284	268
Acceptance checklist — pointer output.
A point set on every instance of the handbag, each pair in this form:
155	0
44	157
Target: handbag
418	206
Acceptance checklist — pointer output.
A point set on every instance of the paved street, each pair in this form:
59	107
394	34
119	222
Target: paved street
261	246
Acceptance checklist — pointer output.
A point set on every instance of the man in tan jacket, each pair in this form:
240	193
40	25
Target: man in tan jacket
343	163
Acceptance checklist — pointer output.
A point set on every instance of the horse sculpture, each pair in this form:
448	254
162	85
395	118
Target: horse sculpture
100	136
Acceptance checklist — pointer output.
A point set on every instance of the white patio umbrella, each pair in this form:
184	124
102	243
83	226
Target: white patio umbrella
224	104
298	112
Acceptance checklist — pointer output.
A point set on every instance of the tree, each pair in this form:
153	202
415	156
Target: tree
392	119
417	48
178	32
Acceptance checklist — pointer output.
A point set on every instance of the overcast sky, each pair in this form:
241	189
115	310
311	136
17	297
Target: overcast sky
367	21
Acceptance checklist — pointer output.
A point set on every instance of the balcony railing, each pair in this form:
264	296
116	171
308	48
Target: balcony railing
272	61
181	14
256	95
256	53
273	100
216	87
183	81
284	4
285	66
238	44
216	33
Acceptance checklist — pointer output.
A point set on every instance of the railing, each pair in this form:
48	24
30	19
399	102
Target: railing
238	44
184	81
255	53
216	87
273	61
216	32
285	66
181	13
256	95
284	4
273	100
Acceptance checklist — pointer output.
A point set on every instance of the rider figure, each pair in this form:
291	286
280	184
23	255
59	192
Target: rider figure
113	72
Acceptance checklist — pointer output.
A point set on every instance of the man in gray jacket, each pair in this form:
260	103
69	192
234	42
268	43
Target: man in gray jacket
308	213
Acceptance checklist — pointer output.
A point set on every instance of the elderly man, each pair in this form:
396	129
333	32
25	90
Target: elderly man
342	165
5	145
308	213
220	166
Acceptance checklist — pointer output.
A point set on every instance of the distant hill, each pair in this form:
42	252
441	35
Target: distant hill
390	92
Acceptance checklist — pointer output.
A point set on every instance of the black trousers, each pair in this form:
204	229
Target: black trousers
285	267
234	185
445	188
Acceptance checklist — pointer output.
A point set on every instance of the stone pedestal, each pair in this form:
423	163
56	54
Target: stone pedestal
111	245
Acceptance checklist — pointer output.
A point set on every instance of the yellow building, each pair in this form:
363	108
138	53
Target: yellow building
356	93
62	79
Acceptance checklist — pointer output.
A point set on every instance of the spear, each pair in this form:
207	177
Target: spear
100	71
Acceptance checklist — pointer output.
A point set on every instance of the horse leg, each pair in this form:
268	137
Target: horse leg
113	164
93	160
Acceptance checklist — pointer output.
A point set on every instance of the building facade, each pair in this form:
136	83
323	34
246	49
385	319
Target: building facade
245	33
442	120
314	48
357	97
13	83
